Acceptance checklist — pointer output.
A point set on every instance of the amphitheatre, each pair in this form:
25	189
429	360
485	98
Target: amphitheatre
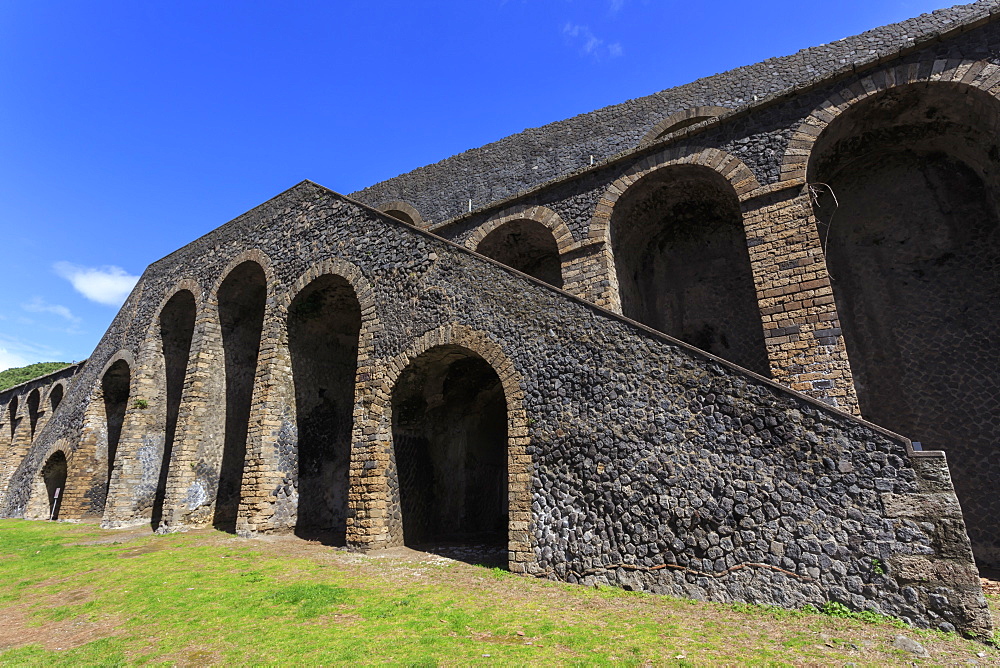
733	341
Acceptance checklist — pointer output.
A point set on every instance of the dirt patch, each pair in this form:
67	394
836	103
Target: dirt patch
20	627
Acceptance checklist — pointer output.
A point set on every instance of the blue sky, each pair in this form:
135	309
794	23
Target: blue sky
128	129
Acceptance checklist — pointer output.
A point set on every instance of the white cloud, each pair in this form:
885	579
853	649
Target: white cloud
9	360
591	44
105	285
38	305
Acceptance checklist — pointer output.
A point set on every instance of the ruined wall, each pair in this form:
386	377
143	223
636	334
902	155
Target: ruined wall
631	458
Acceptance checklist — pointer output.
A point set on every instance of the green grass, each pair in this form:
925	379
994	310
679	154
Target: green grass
205	598
11	377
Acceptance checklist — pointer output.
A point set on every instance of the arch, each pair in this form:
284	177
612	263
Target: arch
138	480
250	255
55	396
53	477
981	75
682	264
34	404
519	462
92	462
539	214
116	388
728	166
682	119
240	301
175	325
324	323
12	407
530	239
912	244
404	212
352	274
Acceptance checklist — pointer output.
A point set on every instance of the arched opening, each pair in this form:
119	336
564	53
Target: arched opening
176	331
242	298
449	430
55	398
680	125
115	389
34	400
324	321
913	250
683	268
525	245
682	119
403	211
54	476
12	416
400	215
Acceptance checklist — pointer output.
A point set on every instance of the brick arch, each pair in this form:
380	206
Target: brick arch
151	348
249	255
122	354
340	267
683	119
189	284
406	208
730	167
982	75
371	324
539	214
152	329
519	462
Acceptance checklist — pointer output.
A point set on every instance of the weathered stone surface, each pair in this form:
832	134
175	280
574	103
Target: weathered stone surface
632	458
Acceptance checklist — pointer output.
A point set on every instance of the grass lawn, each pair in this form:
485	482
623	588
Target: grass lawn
74	594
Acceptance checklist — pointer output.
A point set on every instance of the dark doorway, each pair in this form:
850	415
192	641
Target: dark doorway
449	418
242	297
913	249
54	476
176	331
683	268
323	325
525	245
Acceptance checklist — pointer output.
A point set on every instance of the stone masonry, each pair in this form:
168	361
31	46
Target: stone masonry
661	371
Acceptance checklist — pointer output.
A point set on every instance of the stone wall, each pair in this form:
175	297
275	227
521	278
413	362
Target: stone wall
632	458
917	353
25	409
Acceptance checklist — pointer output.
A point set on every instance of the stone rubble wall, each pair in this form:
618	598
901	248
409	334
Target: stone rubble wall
633	458
764	154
